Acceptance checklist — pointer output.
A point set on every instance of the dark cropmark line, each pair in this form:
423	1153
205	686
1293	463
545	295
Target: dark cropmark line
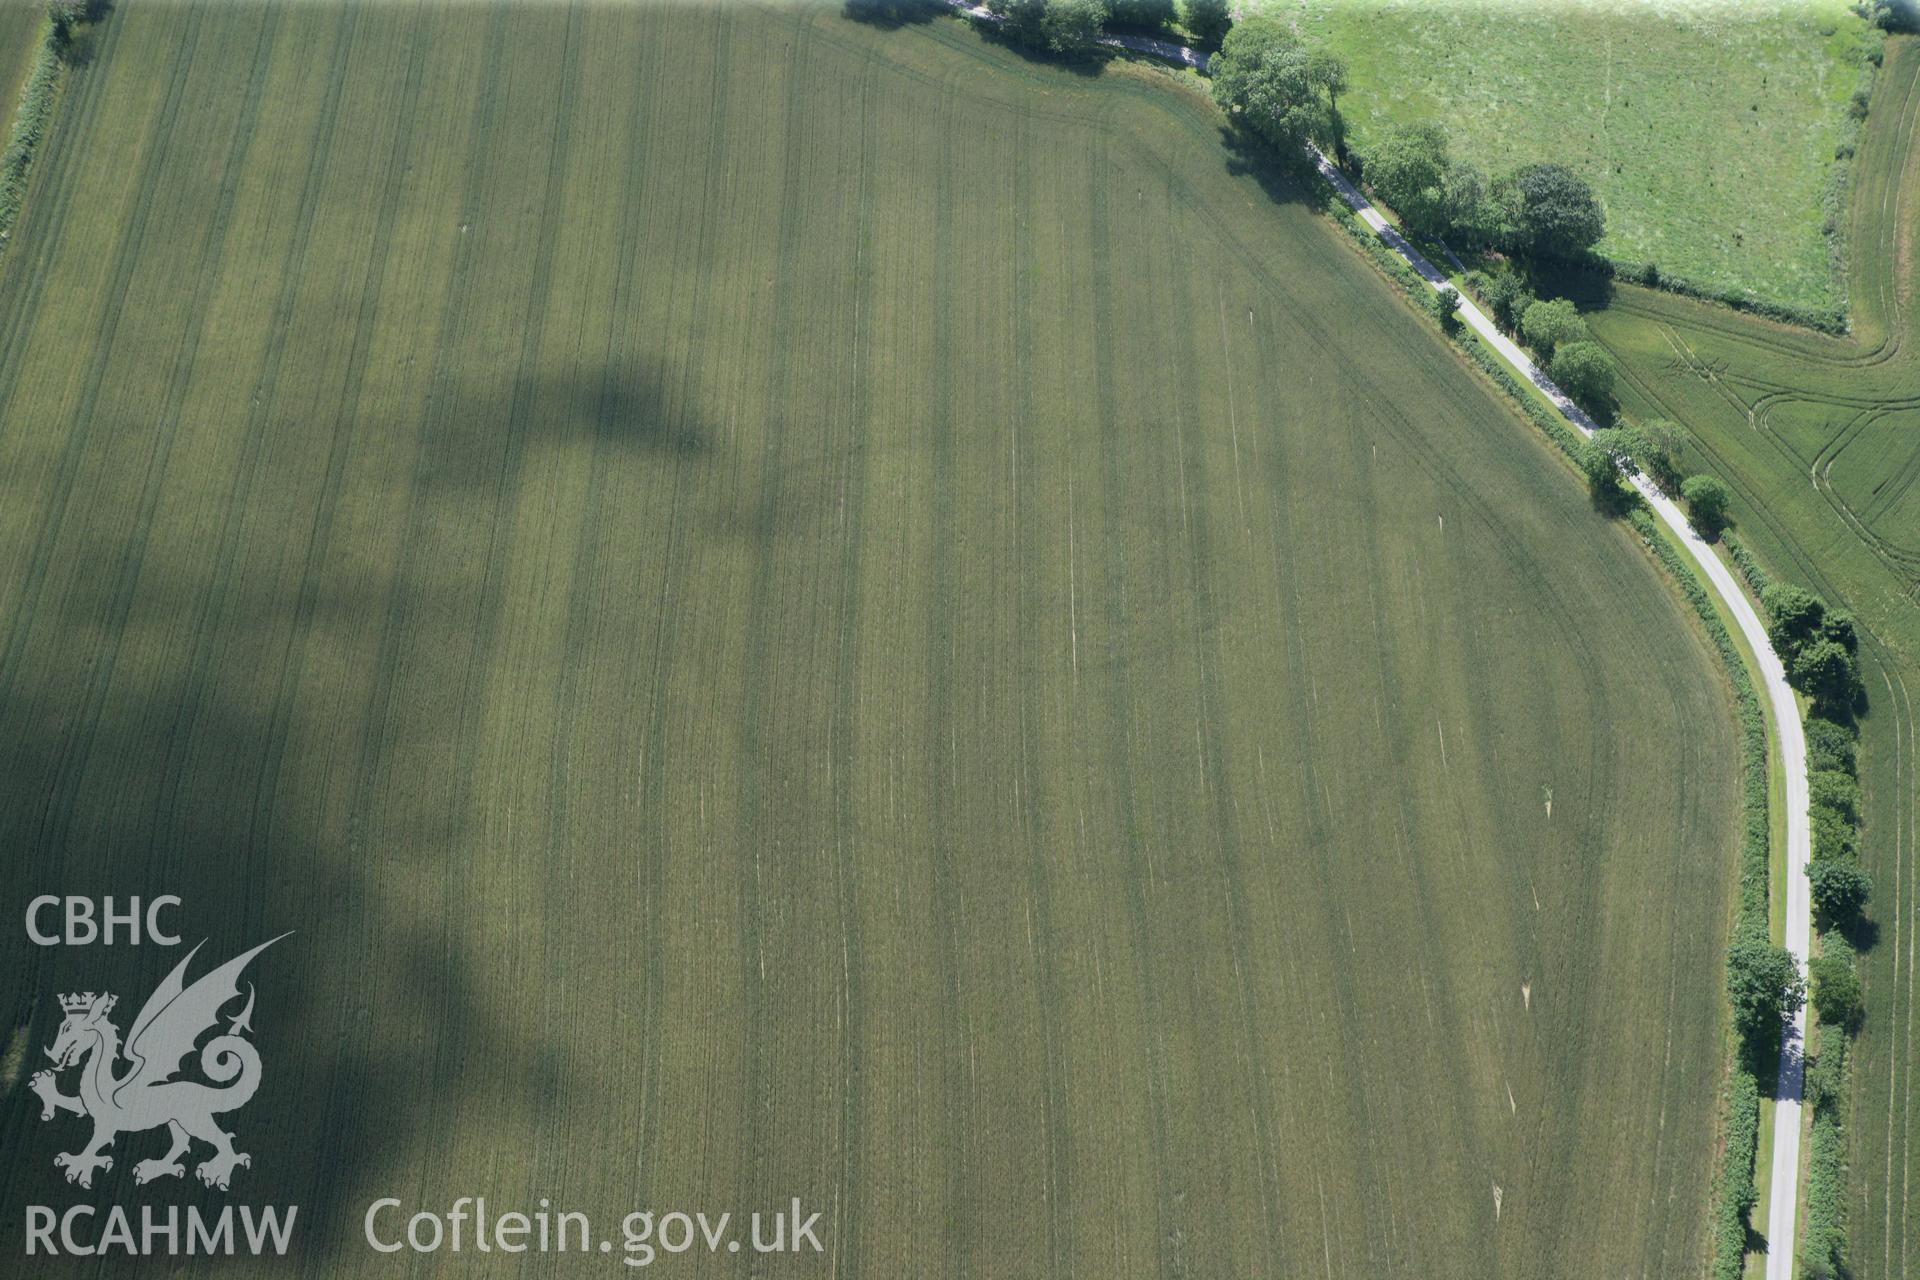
1216	762
752	724
1120	736
379	705
212	602
500	519
940	731
341	437
841	742
556	1135
1059	1149
192	329
635	199
320	536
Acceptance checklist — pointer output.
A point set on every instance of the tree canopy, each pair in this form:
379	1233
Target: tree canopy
1794	615
1840	888
1408	168
1063	26
1208	20
1829	745
1434	194
1836	988
1765	987
1551	324
1584	371
1265	79
1553	212
1707	501
1825	672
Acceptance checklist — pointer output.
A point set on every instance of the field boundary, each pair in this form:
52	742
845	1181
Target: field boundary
31	119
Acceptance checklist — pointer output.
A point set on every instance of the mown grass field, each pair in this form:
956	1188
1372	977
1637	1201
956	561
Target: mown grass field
1709	129
1820	439
791	609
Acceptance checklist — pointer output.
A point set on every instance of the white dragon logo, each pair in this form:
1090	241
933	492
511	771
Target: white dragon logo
147	1096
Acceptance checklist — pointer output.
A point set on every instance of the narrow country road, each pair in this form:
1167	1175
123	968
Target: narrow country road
1784	1181
1789	736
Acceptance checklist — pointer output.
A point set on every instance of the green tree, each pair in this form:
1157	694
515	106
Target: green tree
65	15
1794	616
1143	13
1894	15
1825	672
1502	292
1470	218
1835	791
1548	325
1765	988
1707	501
1623	445
1444	302
1839	627
1552	212
1836	989
1834	836
1603	476
1264	79
1328	72
1208	20
1062	26
1840	889
1666	453
1072	26
1584	371
1830	746
1408	168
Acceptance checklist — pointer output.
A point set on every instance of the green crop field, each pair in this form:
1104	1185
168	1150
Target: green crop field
1708	127
789	608
1820	438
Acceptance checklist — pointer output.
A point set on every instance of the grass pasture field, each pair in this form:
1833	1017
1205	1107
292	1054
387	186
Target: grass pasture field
1708	128
795	609
1818	438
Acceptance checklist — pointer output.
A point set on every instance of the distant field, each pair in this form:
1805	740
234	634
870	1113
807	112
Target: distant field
791	609
1821	441
1708	128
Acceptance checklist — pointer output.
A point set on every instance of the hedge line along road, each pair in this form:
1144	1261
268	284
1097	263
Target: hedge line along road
1783	1196
1784	1179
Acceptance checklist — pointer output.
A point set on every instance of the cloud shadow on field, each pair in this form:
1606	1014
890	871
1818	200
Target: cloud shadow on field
623	403
289	745
368	1021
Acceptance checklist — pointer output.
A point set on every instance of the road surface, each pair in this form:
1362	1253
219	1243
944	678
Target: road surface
1783	1195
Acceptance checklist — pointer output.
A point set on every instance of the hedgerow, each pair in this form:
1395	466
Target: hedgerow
1823	1248
29	126
1733	1190
1743	560
1833	804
